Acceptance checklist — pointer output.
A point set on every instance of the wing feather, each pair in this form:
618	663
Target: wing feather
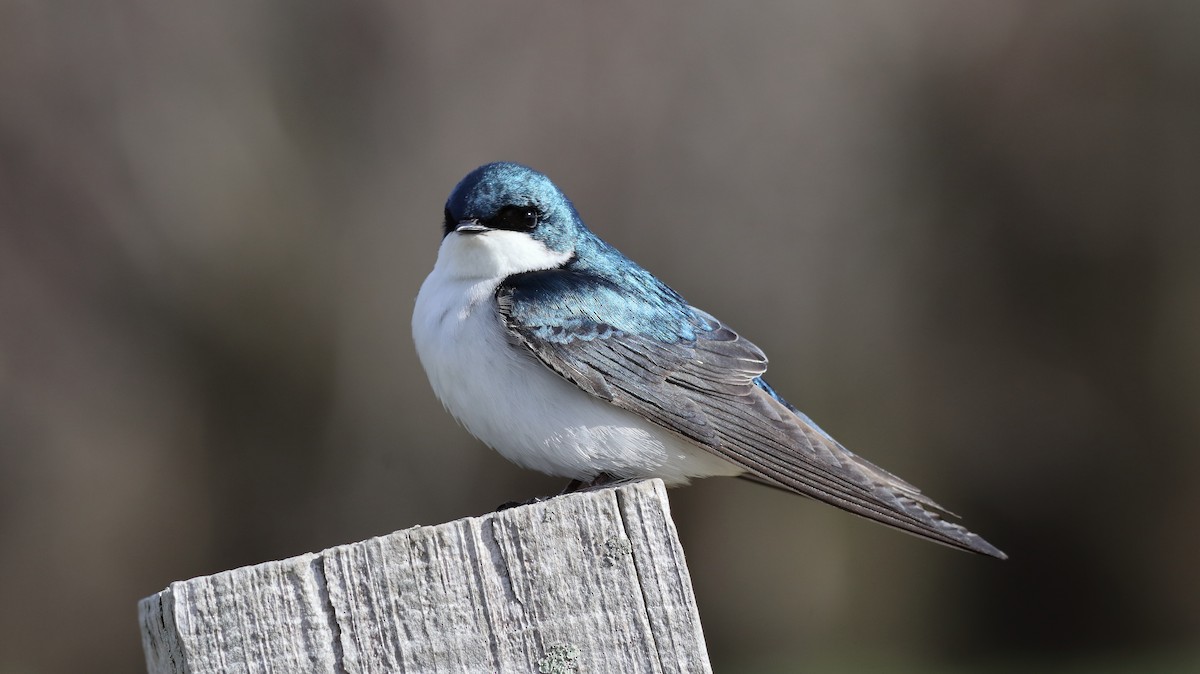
706	385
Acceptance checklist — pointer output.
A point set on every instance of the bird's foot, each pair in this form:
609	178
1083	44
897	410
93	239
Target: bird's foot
517	504
601	480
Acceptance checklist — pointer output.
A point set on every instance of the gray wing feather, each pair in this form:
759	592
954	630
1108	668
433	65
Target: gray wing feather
709	390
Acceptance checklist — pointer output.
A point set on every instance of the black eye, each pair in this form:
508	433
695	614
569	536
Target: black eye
449	224
515	218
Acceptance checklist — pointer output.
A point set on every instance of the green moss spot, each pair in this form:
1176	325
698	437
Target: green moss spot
560	660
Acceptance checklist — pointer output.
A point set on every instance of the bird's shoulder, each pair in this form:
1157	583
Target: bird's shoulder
586	299
610	325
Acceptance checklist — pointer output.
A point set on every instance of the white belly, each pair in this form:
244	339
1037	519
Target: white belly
512	402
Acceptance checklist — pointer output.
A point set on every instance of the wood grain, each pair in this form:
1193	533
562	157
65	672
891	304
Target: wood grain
590	582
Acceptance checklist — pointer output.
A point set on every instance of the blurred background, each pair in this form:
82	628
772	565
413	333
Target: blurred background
967	233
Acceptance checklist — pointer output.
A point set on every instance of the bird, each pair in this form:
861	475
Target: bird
566	357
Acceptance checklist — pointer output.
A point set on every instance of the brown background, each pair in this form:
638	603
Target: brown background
966	232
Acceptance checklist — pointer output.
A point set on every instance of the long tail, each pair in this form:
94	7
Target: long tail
825	470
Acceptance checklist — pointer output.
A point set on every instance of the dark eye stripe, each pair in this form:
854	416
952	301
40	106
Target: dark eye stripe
514	218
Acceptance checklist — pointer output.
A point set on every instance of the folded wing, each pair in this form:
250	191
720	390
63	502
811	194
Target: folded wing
704	382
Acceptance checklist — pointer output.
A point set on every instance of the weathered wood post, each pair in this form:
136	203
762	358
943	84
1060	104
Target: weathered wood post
590	582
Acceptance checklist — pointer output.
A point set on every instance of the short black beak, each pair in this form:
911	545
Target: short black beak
471	227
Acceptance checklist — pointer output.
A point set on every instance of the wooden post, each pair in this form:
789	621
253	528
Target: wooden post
589	582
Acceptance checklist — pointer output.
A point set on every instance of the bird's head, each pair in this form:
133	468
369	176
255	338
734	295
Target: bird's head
504	219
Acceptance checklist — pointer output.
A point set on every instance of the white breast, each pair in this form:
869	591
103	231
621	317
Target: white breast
512	402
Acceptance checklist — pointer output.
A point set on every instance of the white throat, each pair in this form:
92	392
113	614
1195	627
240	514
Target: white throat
494	254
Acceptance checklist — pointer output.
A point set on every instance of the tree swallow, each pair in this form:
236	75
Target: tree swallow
568	358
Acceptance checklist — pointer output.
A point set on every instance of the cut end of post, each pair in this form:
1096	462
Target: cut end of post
593	580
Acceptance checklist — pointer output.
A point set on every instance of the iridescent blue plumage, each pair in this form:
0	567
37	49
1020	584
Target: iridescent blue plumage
597	287
609	327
